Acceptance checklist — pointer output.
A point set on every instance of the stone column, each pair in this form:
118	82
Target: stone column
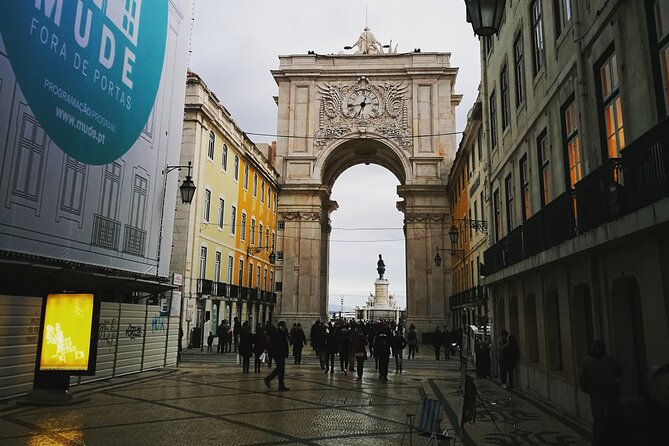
426	224
304	209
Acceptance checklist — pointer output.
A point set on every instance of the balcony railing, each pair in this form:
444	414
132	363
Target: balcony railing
469	298
646	168
616	188
204	287
106	232
599	195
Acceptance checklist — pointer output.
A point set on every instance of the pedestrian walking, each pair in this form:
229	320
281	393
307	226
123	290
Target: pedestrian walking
382	353
344	341
436	341
359	350
331	347
259	346
398	345
210	341
599	377
278	345
220	334
412	342
511	357
245	346
446	340
299	340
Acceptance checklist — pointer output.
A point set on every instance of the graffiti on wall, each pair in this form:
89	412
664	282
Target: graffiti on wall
33	329
133	331
158	323
107	333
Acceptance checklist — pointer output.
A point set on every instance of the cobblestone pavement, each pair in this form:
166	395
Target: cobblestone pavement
207	400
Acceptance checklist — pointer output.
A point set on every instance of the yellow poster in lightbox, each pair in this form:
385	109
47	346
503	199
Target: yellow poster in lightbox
66	335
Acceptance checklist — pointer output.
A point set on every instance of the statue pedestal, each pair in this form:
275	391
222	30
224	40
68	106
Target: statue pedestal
381	296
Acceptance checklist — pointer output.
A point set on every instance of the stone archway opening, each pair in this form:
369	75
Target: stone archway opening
364	176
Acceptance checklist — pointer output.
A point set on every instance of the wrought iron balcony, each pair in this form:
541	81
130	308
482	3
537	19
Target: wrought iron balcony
205	287
616	188
472	297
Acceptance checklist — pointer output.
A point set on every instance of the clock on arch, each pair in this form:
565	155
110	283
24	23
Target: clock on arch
362	104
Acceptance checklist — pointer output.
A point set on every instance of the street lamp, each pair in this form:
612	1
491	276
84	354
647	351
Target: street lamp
485	16
256	249
453	235
187	188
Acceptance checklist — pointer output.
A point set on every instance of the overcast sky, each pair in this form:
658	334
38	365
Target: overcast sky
235	44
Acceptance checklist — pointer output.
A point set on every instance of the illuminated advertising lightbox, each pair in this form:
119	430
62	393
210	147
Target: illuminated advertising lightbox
67	341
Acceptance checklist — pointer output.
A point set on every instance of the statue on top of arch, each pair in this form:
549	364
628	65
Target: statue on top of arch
367	43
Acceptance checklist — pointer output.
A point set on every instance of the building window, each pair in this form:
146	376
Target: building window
264	279
508	186
543	155
212	141
269	196
236	168
661	8
262	191
240	273
260	226
479	146
258	276
246	177
611	106
493	121
275	202
273	240
524	189
506	101
221	210
233	219
519	69
280	225
207	201
138	207
537	36
243	228
217	267
231	264
253	231
111	186
255	185
250	276
267	237
562	15
224	157
572	144
498	215
203	262
553	330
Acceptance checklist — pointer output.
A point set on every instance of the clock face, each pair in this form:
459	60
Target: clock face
362	104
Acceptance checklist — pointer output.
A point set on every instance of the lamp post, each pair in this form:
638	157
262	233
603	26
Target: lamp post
485	16
252	250
187	188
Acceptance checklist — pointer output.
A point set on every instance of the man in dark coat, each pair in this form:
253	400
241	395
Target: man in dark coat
438	339
599	378
220	334
278	345
299	340
382	352
246	346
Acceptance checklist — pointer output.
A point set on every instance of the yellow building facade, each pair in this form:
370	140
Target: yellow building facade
212	235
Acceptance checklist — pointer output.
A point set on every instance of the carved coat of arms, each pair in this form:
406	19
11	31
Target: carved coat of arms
363	107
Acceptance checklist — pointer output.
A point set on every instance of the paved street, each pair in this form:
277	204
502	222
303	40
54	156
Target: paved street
207	400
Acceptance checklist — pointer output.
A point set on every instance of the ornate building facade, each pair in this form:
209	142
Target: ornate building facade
575	120
232	214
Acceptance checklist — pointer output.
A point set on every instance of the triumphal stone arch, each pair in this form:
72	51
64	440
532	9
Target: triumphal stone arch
336	111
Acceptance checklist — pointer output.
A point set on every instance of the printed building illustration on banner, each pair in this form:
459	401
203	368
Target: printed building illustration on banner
57	206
